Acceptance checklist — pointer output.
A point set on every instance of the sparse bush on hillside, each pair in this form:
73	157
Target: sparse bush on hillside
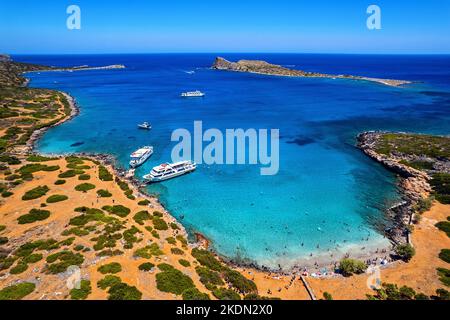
35	193
17	291
113	267
56	198
84	187
104	174
194	294
104	193
122	291
172	280
33	216
82	293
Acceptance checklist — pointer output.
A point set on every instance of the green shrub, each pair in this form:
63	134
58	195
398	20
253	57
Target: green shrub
159	224
56	198
176	251
351	266
17	292
108	281
118	210
207	259
173	281
184	263
444	276
142	216
444	226
33	258
82	293
104	174
3	240
19	268
11	160
441	187
2	228
70	173
6	194
171	240
104	193
39	158
144	202
208	277
445	255
122	291
239	282
65	259
194	294
226	294
60	182
157	214
112	267
33	216
174	226
84	177
35	193
84	187
148	251
442	294
405	251
147	266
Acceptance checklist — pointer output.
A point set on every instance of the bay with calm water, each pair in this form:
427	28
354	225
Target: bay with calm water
327	197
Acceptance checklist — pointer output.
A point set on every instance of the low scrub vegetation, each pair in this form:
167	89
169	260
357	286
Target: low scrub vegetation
85	187
35	193
83	292
17	291
172	280
118	210
104	193
113	267
56	198
33	216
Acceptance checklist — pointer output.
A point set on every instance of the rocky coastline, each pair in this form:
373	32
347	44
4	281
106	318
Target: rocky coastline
263	67
413	183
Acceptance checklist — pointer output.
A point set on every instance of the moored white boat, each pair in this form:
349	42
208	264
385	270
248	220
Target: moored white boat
141	155
167	171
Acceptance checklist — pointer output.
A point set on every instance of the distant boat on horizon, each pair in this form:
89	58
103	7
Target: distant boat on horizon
196	93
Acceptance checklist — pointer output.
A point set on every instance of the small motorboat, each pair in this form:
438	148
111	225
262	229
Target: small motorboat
145	125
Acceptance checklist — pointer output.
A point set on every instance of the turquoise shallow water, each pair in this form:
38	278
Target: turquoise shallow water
327	196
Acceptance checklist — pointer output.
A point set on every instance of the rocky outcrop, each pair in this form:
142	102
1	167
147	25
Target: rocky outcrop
263	67
412	182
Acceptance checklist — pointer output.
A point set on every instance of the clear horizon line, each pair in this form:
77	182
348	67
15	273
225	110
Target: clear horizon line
229	52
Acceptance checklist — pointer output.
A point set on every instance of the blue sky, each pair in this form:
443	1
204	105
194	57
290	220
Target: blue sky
139	26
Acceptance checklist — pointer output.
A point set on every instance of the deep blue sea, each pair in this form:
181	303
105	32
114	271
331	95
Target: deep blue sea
327	197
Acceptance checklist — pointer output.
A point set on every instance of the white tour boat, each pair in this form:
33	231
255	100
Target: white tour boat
140	156
196	93
167	171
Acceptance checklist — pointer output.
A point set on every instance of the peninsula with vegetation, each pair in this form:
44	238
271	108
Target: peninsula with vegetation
64	213
263	67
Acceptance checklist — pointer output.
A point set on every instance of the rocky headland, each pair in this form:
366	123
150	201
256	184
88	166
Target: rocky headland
263	67
417	160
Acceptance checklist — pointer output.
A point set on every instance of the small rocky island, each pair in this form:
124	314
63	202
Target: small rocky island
263	67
